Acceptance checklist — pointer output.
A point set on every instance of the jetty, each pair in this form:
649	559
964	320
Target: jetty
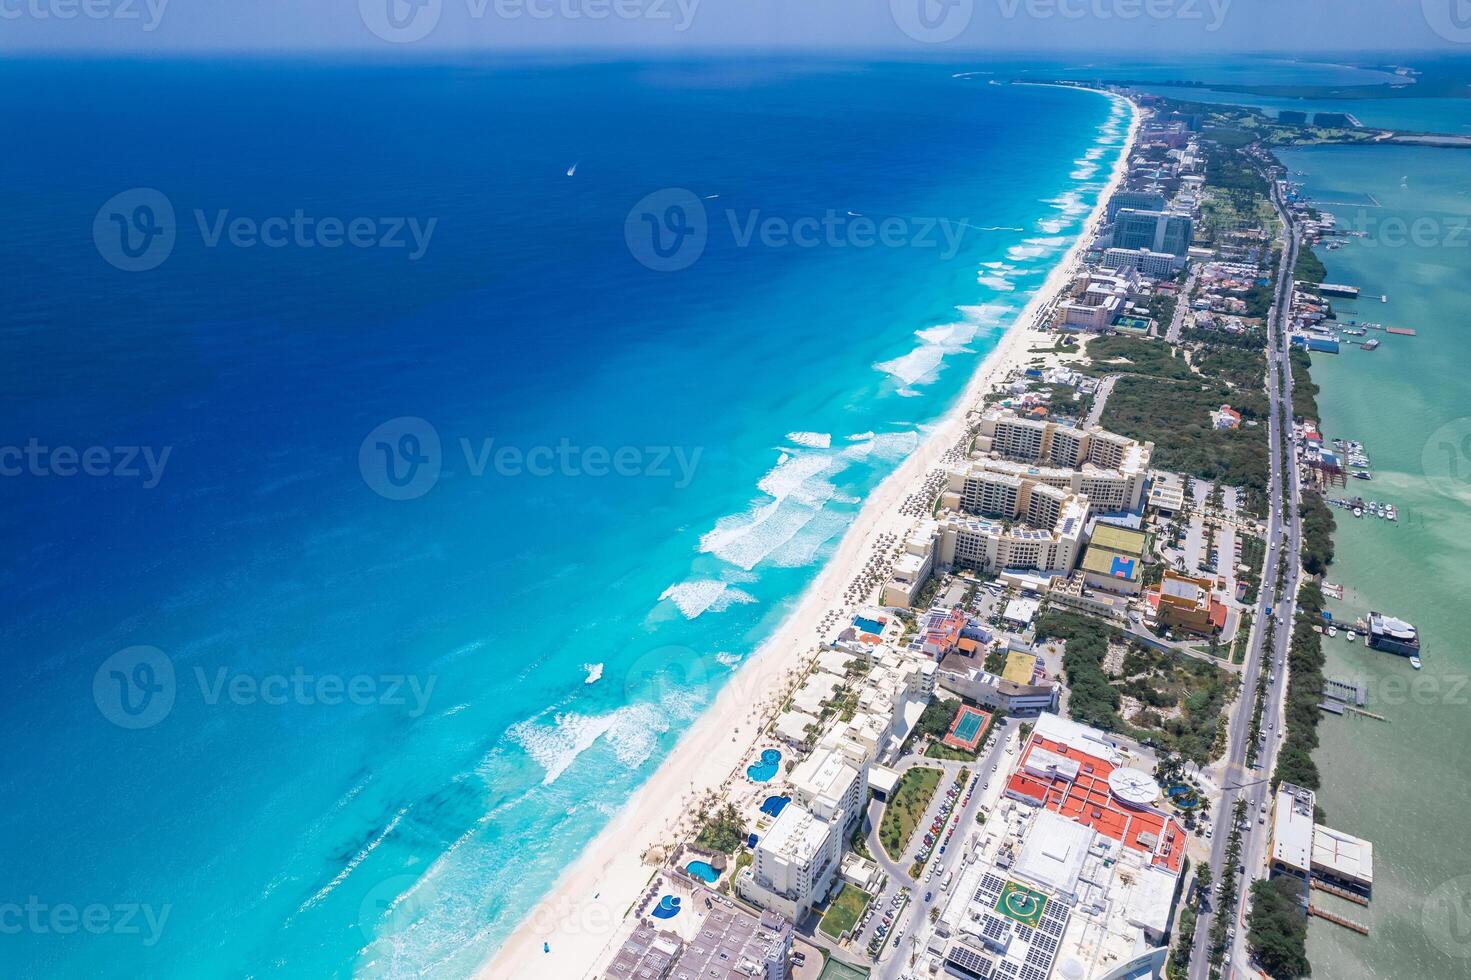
1342	893
1339	920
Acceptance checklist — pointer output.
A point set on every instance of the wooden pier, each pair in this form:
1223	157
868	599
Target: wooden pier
1343	893
1339	920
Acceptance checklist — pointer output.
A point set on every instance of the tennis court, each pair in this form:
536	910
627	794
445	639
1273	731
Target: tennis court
965	730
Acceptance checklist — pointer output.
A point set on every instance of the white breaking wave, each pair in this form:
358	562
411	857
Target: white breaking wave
922	365
1069	203
699	596
594	673
795	490
999	283
352	865
812	440
630	733
728	659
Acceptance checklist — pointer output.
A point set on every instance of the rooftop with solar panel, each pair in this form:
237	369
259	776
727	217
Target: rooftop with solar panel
1076	876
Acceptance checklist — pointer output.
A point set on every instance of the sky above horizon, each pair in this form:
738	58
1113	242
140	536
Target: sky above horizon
1107	29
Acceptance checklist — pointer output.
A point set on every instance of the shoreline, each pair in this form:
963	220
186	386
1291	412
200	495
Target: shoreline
571	932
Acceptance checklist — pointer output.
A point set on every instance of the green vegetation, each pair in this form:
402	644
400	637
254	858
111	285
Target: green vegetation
1318	525
903	812
1304	390
995	661
724	831
1309	268
1135	356
935	721
844	911
1183	697
1176	418
1091	698
1305	661
1277	931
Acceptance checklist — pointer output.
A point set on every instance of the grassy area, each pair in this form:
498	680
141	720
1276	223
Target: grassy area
1129	355
1182	698
844	910
904	810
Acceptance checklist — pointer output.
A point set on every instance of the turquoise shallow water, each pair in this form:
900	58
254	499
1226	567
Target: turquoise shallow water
533	638
1405	785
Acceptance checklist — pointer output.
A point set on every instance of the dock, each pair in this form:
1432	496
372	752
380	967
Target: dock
1345	691
1342	893
1332	707
1338	289
1339	920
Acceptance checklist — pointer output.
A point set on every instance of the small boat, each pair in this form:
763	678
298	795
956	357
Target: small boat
1391	513
1333	631
1415	662
1358	512
1362	475
1352	636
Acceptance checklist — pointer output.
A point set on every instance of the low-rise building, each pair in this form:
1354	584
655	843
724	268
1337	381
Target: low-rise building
1189	603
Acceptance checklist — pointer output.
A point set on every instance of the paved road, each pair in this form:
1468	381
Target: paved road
915	920
1100	398
1182	306
1283	544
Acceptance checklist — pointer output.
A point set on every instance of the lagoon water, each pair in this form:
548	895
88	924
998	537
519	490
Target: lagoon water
1405	785
527	634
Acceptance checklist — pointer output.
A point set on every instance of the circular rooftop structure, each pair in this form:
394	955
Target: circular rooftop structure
1133	787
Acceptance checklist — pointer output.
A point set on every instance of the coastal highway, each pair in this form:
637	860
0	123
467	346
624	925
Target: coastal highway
1284	544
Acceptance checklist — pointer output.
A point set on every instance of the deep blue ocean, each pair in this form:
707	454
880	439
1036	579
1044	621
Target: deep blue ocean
347	436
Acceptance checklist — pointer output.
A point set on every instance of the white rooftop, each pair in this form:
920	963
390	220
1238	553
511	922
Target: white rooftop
1054	852
796	835
1343	854
1292	827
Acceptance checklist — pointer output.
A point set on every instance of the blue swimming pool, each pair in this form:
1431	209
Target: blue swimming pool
667	908
704	871
774	805
763	771
868	625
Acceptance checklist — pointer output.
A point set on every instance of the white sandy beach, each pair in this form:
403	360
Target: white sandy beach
575	929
